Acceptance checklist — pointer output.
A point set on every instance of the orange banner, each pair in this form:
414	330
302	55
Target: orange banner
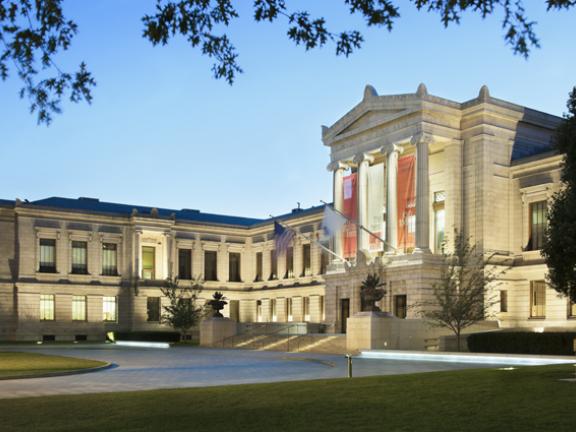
406	202
349	209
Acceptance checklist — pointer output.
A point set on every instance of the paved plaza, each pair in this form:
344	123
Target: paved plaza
148	369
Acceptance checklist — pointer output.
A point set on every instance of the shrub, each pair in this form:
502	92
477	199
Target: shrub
552	343
148	336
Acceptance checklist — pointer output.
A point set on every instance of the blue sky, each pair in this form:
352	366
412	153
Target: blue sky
162	132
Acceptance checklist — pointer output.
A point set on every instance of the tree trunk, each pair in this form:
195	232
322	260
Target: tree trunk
458	340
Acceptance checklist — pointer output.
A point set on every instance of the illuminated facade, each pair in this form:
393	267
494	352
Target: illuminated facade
410	168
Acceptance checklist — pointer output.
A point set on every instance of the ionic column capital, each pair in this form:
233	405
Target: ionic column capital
363	157
421	138
337	165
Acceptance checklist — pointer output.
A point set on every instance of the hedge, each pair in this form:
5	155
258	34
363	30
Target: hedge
148	336
552	343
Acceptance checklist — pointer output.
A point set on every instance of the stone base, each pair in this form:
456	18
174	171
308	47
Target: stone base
365	331
214	330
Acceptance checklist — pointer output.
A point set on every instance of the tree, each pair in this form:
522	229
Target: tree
182	312
371	292
559	249
460	297
33	32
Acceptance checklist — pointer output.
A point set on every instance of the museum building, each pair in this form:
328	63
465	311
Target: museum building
409	171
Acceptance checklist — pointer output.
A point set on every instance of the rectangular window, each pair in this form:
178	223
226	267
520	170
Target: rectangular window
259	311
109	309
109	259
324	258
306	260
148	262
47	307
153	309
79	257
211	265
234	261
537	299
538	223
289	263
503	301
79	308
571	309
306	301
289	309
259	265
185	264
273	265
47	256
273	309
439	220
322	309
400	306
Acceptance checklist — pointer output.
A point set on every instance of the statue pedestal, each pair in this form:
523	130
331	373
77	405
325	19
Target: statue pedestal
365	331
214	330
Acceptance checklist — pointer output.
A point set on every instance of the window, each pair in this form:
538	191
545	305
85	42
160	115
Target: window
537	299
79	257
306	301
47	307
503	301
47	256
538	222
109	309
322	314
571	309
306	260
153	309
273	265
289	309
259	310
79	308
324	258
109	259
258	277
148	262
400	306
289	263
234	261
439	220
185	264
273	309
211	265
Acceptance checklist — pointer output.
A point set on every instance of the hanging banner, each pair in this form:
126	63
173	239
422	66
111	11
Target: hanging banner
349	209
406	202
375	203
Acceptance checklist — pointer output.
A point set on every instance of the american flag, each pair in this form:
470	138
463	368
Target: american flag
283	238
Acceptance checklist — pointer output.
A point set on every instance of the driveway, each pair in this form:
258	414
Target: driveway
148	369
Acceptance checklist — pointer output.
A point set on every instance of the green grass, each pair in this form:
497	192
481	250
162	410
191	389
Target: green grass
525	399
16	364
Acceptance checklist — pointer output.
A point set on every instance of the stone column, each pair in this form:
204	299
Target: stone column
421	141
391	198
137	254
363	161
338	173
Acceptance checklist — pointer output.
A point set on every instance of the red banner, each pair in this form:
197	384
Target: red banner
406	202
349	209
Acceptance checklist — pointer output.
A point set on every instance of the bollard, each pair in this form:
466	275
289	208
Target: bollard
349	364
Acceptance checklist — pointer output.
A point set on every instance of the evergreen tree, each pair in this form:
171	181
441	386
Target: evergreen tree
559	249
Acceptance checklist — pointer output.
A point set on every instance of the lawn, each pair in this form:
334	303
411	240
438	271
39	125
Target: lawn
16	364
525	399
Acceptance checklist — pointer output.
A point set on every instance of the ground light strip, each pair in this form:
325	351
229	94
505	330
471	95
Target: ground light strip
135	344
467	358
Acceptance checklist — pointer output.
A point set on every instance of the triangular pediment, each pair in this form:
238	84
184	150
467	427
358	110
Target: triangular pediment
371	119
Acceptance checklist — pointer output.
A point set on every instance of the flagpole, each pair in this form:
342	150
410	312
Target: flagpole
311	239
362	227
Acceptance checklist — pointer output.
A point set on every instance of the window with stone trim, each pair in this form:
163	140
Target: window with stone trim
273	265
210	265
79	257
47	261
306	260
79	308
153	309
289	311
503	301
109	309
289	263
234	263
185	264
400	306
273	314
259	265
439	220
109	259
148	262
47	307
571	309
306	306
538	223
537	299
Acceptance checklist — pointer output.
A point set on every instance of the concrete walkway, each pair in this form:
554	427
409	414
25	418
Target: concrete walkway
148	369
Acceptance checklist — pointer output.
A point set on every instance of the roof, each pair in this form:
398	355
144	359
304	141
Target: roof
93	205
6	203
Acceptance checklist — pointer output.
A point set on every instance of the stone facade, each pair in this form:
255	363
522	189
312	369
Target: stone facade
488	159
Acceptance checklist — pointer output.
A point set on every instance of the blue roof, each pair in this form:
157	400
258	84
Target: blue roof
7	203
93	205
